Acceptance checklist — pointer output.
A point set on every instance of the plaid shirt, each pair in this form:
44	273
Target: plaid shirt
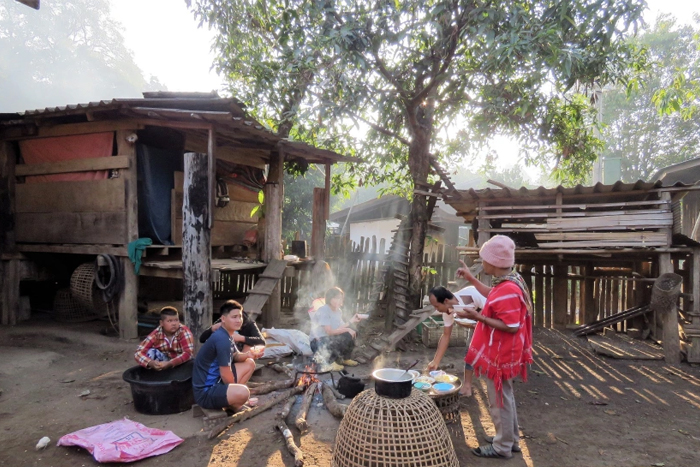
179	349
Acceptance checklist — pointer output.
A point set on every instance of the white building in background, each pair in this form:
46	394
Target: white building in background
378	217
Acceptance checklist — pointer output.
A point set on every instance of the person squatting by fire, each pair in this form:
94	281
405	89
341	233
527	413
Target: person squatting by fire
332	338
220	370
501	347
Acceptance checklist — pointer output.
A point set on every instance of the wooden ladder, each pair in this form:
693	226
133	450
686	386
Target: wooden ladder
258	295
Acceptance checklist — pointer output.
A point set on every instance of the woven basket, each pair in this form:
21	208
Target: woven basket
69	310
448	405
432	331
85	291
379	431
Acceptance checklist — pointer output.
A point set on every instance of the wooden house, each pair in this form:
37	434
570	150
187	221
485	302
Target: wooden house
89	179
592	251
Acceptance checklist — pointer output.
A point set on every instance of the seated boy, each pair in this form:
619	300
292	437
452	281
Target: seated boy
169	345
220	370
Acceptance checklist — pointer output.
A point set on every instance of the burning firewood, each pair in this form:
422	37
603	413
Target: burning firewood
282	369
291	445
252	412
334	407
271	386
282	414
304	409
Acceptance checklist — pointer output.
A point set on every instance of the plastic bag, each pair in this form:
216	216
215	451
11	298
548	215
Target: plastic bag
297	340
276	351
122	441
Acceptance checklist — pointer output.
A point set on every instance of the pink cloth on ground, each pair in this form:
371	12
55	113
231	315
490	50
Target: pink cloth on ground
122	441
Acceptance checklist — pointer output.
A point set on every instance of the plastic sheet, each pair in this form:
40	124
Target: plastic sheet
122	441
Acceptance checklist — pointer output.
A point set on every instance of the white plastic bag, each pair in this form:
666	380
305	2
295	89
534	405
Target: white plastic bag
122	441
297	340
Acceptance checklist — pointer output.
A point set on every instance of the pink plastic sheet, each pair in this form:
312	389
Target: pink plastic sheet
63	148
122	441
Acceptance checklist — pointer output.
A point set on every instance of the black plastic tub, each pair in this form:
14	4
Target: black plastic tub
161	392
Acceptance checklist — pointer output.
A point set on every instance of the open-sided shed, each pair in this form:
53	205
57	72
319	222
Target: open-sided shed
589	252
89	179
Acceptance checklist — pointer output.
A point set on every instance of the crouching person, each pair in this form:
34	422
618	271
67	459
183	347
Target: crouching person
220	370
169	345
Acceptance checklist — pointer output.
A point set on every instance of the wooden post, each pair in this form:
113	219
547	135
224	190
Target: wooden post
327	193
561	293
128	301
272	247
318	228
197	297
695	278
588	306
9	264
539	296
664	303
483	238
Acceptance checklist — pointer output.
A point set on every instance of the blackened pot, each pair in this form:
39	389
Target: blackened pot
393	383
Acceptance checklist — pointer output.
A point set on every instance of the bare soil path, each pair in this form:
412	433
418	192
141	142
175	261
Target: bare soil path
577	409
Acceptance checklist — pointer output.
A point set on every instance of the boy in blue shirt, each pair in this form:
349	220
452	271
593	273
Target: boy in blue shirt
216	382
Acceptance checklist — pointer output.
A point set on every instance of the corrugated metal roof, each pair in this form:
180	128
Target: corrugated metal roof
235	128
466	202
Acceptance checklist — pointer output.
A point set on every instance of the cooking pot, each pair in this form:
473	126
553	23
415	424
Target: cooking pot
393	382
349	386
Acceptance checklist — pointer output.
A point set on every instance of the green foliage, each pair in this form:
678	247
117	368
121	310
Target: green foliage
681	91
645	139
398	80
70	51
259	209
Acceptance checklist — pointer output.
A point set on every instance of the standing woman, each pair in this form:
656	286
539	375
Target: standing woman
501	347
333	339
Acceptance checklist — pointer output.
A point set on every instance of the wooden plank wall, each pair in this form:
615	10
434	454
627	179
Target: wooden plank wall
84	212
230	222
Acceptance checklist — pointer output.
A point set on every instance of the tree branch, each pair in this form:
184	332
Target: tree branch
383	130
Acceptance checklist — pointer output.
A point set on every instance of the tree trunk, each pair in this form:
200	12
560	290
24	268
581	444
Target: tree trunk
419	165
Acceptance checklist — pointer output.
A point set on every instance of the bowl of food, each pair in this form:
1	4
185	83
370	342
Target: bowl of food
446	378
424	379
443	387
422	386
437	373
415	374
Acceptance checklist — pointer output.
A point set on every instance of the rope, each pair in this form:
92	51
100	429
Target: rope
110	280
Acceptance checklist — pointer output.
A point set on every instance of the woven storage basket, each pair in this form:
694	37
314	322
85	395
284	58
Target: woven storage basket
69	310
84	289
448	405
379	431
432	330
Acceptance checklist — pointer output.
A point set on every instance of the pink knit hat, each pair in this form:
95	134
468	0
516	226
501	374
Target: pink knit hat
499	251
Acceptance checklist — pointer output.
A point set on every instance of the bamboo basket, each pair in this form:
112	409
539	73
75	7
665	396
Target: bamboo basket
84	289
379	431
69	310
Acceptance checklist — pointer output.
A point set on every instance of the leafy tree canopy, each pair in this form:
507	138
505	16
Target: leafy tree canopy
397	81
386	78
644	139
69	51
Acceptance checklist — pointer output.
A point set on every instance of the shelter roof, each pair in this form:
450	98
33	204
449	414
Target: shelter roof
387	207
466	202
686	172
191	113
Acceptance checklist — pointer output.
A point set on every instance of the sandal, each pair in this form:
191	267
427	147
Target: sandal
488	452
515	448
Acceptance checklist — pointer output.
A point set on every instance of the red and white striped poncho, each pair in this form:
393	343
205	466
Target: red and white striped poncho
498	354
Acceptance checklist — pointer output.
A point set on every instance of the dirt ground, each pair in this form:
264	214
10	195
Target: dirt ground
651	415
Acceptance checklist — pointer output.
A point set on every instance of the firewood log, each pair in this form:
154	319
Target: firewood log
304	409
271	386
282	369
334	407
291	445
252	412
287	407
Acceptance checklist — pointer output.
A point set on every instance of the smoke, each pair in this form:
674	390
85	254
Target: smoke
312	286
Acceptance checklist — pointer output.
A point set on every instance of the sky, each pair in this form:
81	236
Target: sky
168	44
